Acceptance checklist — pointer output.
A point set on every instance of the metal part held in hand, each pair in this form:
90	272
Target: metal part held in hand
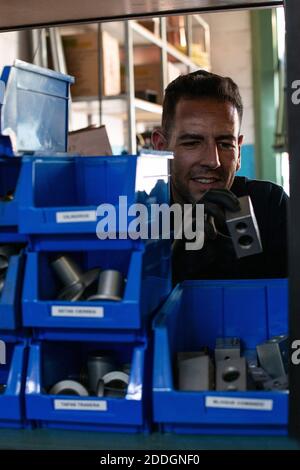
231	375
195	372
110	286
227	348
244	230
273	356
69	387
99	364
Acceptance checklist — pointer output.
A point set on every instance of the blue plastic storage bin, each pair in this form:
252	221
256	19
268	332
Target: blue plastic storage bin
34	114
12	374
146	268
50	362
10	298
193	316
9	236
61	195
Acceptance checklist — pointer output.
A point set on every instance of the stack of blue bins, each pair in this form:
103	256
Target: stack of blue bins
12	338
12	260
53	212
58	189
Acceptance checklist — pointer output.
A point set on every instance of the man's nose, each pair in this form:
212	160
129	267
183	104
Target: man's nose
210	157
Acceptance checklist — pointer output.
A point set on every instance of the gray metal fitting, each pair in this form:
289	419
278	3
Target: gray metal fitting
115	384
231	375
273	356
195	371
100	388
69	273
257	376
68	387
227	348
99	364
67	270
72	278
280	383
110	286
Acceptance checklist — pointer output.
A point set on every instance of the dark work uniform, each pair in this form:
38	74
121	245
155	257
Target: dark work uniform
217	258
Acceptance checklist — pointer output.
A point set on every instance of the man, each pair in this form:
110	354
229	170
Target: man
201	122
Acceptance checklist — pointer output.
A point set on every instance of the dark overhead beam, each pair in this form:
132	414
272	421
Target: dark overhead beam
20	14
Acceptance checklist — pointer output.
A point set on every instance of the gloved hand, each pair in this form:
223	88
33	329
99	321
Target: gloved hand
217	251
216	202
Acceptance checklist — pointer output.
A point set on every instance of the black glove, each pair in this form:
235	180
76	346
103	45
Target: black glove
217	252
216	202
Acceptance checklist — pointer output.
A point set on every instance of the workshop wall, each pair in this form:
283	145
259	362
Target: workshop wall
231	55
8	48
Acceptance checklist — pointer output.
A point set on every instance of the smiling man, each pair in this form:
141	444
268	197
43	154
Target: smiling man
201	123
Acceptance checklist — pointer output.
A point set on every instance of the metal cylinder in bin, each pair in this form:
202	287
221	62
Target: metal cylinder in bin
67	270
99	364
110	286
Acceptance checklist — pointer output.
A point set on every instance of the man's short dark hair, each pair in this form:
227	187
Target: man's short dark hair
199	84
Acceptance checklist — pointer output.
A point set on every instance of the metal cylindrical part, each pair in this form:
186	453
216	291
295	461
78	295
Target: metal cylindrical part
100	388
110	286
99	364
116	378
115	384
67	270
68	387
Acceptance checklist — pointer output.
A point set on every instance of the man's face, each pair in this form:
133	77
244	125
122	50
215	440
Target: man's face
206	144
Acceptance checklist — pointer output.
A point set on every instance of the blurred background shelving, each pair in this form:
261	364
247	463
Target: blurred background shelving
122	69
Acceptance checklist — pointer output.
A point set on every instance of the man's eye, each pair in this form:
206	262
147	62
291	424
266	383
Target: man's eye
191	143
226	145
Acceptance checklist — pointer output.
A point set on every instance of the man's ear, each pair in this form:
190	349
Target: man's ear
158	140
240	143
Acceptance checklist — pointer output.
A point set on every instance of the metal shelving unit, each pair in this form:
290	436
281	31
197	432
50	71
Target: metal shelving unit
127	106
117	106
